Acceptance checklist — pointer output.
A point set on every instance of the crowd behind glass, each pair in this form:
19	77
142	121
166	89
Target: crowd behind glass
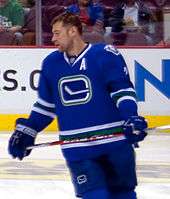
119	22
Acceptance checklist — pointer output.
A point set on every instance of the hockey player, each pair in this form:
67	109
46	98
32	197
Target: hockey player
88	88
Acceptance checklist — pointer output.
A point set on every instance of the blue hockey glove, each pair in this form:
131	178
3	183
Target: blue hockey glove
134	129
22	137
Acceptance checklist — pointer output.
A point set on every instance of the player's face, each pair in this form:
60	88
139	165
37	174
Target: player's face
62	36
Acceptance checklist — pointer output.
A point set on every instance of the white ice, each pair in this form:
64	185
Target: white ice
14	184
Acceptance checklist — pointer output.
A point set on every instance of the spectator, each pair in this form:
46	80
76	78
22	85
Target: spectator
28	29
49	10
48	13
167	42
51	2
58	2
133	15
164	43
27	3
91	16
11	21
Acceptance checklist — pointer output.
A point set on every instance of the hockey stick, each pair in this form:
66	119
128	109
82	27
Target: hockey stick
59	142
158	128
45	144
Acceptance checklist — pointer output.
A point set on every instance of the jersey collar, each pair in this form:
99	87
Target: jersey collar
85	50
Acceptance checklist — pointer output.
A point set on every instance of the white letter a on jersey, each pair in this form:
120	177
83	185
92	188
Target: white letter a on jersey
83	64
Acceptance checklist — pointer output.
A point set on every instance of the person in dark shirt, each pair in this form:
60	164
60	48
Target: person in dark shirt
92	17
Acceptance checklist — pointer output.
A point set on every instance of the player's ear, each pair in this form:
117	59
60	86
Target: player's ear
73	30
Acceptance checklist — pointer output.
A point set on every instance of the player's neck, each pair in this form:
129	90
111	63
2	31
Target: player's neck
77	47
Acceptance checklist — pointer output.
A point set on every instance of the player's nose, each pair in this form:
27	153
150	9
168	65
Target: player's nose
54	39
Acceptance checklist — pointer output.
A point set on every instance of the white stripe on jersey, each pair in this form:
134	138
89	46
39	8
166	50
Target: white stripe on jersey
93	128
93	143
43	112
45	103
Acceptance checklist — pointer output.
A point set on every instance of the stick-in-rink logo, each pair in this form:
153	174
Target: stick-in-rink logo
75	90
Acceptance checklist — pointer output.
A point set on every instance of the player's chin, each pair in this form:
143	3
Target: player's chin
59	48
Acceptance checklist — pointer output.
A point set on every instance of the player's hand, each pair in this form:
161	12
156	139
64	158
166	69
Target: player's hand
18	144
134	129
22	137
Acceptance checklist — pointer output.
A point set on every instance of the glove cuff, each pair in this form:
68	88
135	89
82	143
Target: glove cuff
26	130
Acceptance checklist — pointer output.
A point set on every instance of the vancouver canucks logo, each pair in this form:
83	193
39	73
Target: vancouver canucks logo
111	49
75	90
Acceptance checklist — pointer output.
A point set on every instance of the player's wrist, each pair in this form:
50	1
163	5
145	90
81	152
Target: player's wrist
26	130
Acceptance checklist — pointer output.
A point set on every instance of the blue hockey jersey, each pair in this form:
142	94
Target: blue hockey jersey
91	96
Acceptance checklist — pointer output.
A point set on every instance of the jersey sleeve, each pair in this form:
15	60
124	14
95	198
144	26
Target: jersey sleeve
43	111
118	83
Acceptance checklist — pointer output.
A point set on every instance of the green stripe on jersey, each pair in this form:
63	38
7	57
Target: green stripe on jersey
91	134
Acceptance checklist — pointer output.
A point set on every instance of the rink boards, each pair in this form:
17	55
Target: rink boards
7	122
20	68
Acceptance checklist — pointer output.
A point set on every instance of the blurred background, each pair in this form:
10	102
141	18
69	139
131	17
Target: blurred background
120	22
